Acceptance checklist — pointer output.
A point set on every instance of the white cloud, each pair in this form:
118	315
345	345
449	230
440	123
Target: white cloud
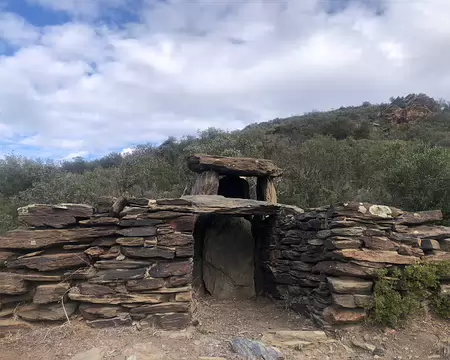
85	87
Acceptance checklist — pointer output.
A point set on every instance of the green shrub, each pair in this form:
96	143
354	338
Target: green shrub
398	294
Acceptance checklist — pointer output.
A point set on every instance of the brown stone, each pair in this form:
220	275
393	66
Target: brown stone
56	216
378	243
430	232
161	215
206	183
445	245
118	206
12	284
420	217
94	311
409	251
138	231
185	251
50	312
144	284
51	262
438	256
366	211
129	211
81	274
377	256
363	300
95	251
8	326
184	296
76	247
344	300
50	293
150	242
341	316
122	320
342	243
184	223
149	252
106	220
107	276
118	298
233	165
139	222
171	307
337	268
405	239
103	204
265	189
104	242
349	285
5	256
36	276
176	281
95	289
8	299
175	239
175	268
111	253
37	239
121	264
175	321
130	241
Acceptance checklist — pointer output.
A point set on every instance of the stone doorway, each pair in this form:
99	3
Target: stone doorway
226	250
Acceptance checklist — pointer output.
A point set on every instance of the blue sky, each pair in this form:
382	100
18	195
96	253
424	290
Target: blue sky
86	77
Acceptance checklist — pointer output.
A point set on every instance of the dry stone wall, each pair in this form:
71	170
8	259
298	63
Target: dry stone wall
323	262
114	264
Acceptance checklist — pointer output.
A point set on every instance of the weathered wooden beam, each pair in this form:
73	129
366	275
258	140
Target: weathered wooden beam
233	165
206	183
265	189
204	204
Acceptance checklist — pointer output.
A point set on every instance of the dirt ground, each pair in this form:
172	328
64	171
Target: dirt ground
220	322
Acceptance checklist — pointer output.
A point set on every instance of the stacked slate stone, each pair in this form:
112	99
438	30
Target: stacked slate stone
116	263
323	262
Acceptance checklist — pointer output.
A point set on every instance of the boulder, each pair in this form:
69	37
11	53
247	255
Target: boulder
430	244
349	285
50	293
50	312
254	350
228	253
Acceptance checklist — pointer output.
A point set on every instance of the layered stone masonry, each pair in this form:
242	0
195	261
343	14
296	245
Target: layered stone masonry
115	263
323	262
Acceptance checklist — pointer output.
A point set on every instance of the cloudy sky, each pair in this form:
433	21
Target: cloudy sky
86	77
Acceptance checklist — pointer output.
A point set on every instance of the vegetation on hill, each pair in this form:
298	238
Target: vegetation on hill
353	153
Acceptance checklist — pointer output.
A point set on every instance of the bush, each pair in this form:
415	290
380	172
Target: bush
398	294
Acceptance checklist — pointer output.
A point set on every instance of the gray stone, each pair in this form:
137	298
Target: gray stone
228	265
255	350
445	245
430	244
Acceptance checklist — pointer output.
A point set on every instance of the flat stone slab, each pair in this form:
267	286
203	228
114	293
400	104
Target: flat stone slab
349	285
239	166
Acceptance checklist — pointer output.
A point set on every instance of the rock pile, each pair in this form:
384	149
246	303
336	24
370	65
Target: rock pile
117	263
323	262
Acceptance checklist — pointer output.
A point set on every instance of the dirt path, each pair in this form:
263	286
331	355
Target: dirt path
219	322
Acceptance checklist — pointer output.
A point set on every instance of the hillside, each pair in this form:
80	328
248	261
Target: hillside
394	153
